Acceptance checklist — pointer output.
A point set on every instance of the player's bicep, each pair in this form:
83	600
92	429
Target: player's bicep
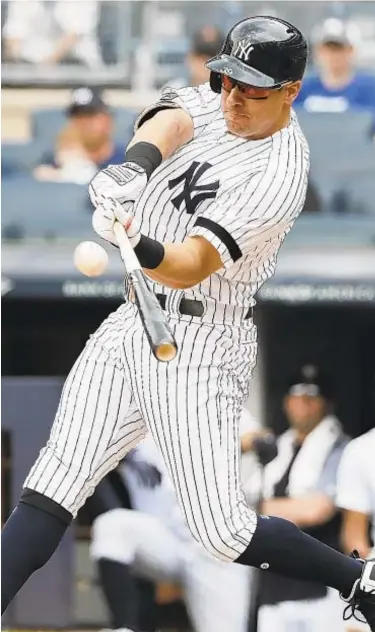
199	103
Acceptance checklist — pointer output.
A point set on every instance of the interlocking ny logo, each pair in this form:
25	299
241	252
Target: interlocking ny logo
190	178
243	50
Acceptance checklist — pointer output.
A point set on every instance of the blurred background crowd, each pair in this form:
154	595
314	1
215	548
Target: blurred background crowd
75	74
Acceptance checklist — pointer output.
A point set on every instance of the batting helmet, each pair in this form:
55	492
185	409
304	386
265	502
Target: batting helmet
261	51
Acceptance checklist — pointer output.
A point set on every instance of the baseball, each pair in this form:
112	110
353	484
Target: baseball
90	258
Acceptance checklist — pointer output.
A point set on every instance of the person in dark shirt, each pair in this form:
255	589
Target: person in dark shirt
300	485
337	85
85	145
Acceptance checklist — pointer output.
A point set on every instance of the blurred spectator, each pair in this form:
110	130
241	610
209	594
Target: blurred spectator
338	85
206	43
85	145
154	542
300	485
356	494
41	32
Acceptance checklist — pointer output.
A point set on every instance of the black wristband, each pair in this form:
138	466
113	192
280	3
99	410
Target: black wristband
150	252
145	155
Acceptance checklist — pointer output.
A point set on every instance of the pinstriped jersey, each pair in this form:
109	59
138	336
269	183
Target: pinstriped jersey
242	195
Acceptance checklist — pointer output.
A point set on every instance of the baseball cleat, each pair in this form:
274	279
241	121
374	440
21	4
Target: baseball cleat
362	597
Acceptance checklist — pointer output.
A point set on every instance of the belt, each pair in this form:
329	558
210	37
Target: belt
190	307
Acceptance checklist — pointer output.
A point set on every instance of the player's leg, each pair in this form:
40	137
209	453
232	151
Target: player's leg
126	544
95	426
217	594
193	407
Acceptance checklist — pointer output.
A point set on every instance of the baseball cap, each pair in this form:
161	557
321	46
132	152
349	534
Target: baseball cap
310	381
207	41
86	101
336	31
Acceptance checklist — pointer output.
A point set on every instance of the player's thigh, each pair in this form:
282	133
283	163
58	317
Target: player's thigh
96	424
193	408
138	540
217	594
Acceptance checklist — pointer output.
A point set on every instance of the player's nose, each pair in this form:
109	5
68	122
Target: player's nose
235	96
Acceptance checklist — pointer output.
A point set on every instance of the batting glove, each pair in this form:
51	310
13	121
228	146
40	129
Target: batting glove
107	213
123	183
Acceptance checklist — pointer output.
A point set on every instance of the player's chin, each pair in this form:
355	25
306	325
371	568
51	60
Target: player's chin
237	127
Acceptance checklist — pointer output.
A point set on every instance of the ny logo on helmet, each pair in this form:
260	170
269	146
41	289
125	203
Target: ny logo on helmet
242	50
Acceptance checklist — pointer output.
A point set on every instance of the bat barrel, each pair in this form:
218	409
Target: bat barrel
154	321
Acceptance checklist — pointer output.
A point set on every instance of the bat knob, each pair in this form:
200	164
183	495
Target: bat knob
166	352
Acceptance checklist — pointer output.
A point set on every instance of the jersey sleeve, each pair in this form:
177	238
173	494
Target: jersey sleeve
352	485
253	218
199	102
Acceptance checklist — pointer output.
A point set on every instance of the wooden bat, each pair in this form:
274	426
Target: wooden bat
154	320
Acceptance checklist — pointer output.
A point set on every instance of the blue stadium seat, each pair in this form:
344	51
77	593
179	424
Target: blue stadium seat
342	156
354	124
47	123
20	157
50	210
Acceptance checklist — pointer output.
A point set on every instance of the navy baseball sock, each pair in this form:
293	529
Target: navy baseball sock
279	546
121	591
29	538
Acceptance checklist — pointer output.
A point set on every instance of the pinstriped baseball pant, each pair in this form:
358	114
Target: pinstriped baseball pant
116	392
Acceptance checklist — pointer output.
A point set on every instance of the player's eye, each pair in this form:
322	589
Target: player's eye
249	92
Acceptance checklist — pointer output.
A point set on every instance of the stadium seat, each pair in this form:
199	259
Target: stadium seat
48	210
20	157
341	156
326	126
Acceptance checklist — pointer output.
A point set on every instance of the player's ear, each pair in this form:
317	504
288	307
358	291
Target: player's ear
291	91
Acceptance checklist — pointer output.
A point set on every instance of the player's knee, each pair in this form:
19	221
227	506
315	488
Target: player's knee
227	537
114	536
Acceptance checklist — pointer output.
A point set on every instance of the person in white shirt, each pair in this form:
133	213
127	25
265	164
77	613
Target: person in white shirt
48	33
153	541
356	496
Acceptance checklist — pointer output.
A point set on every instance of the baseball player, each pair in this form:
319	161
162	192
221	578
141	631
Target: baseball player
214	179
154	542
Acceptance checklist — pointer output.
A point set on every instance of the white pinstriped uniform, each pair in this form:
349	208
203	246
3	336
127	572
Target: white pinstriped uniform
243	196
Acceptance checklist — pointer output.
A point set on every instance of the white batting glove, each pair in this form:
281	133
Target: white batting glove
107	213
123	183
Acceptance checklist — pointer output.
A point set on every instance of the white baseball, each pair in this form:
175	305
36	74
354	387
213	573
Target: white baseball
90	258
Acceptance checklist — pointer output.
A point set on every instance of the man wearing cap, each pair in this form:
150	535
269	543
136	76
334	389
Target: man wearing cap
299	485
86	144
338	86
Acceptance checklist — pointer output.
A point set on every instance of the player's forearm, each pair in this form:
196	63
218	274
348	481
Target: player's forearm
186	264
168	130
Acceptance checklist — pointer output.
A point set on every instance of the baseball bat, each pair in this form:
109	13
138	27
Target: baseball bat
160	337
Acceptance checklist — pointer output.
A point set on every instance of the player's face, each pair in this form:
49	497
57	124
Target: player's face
304	412
256	113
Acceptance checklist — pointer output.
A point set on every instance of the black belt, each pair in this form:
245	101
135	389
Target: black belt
190	307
